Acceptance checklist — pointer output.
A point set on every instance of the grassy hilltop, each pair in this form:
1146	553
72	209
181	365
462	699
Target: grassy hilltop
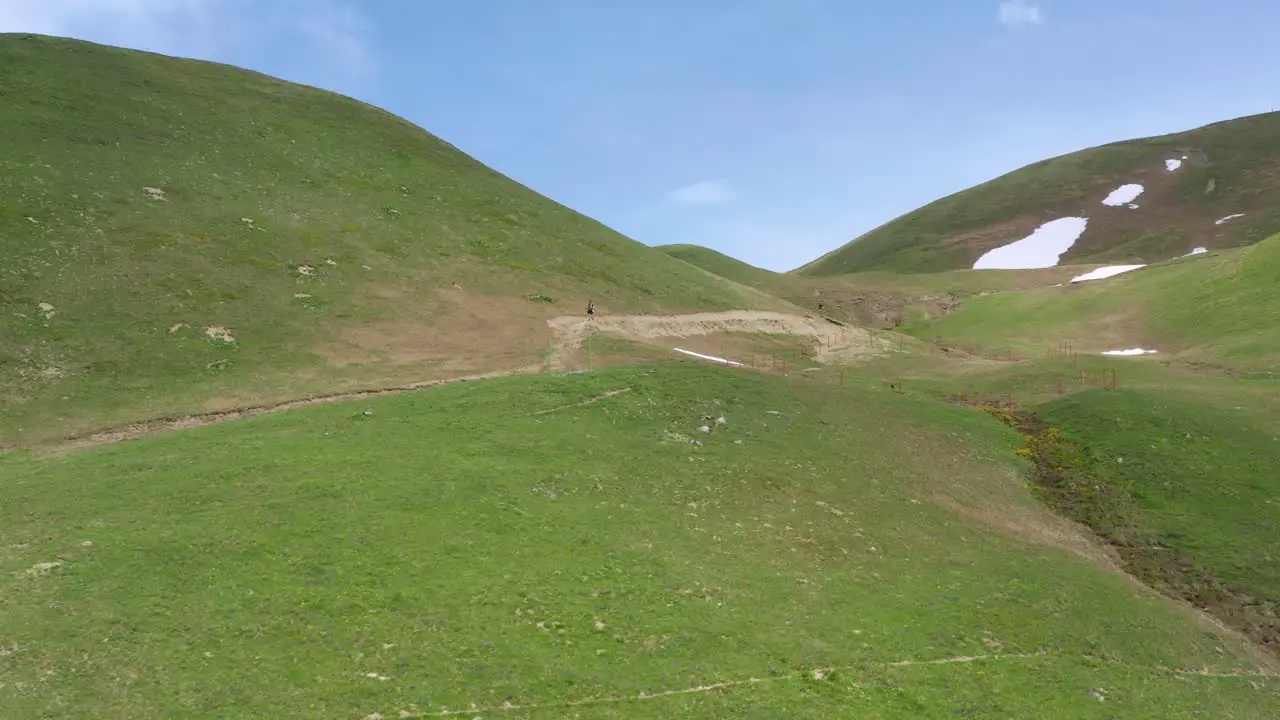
182	235
1229	168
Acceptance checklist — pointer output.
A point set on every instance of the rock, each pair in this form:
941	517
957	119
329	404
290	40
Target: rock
721	421
704	429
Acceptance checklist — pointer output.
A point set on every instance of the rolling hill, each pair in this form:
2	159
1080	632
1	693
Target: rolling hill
1190	181
181	236
851	522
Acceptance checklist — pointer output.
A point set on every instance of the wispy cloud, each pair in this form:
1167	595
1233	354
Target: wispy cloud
1020	13
707	192
331	48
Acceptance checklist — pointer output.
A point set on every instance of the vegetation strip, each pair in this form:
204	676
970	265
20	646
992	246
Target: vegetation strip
1066	480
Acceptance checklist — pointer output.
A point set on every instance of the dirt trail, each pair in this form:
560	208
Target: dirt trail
571	331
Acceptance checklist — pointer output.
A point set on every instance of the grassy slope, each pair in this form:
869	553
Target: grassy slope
1217	309
390	218
1197	444
1239	156
266	567
731	268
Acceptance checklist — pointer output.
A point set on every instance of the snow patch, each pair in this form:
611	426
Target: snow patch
1134	351
1172	165
1123	195
1040	249
1133	206
1228	219
1105	272
1197	251
712	358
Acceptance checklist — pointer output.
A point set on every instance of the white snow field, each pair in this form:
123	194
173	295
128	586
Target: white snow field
1172	165
1228	219
1123	195
712	358
1197	251
1105	272
1134	351
1040	249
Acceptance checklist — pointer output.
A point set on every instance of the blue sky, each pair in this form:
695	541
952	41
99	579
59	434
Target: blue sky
772	130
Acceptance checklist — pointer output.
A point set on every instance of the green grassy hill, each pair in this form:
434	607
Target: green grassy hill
1217	310
181	235
731	268
1230	168
1174	465
826	552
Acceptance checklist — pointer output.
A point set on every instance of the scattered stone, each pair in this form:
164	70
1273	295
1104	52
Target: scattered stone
330	262
247	221
306	270
704	429
1098	693
154	193
47	309
33	220
219	333
42	568
50	373
721	421
772	412
599	625
301	296
175	328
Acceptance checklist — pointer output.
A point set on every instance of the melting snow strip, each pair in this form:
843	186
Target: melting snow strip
1197	251
1105	272
1228	219
1123	195
1040	249
1134	351
712	358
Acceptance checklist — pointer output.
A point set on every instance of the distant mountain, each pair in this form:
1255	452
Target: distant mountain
1191	182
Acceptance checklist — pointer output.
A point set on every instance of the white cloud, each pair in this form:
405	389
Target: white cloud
707	192
327	39
1017	13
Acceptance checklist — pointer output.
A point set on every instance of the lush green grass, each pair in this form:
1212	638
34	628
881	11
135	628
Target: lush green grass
1217	309
260	177
1238	156
472	552
1199	473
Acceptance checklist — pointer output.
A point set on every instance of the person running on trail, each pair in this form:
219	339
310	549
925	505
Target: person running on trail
591	308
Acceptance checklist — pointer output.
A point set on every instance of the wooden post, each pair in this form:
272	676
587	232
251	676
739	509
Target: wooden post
1059	387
